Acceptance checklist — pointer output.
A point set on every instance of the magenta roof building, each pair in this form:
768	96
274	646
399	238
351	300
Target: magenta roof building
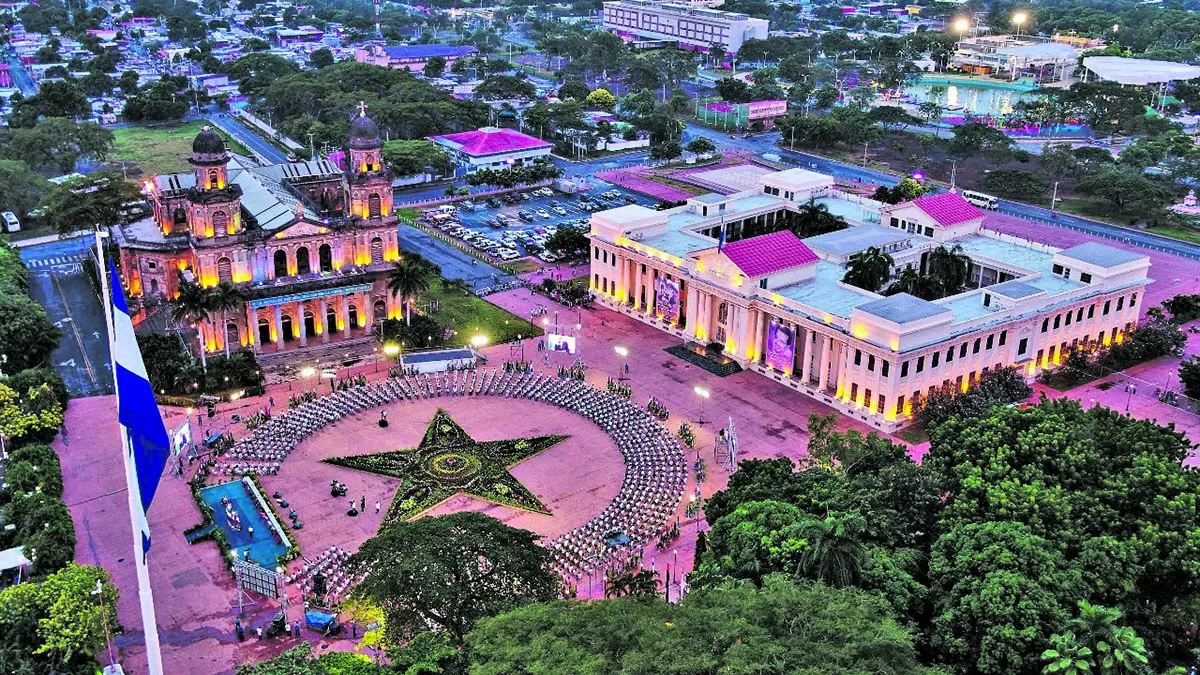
491	148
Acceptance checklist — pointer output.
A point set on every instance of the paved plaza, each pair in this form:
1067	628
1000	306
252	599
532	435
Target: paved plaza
576	479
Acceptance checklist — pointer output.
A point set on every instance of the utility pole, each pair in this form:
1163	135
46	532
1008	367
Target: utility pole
1054	198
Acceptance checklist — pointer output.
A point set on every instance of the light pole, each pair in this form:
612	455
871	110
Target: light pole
624	354
1018	19
961	25
1132	391
1169	374
704	395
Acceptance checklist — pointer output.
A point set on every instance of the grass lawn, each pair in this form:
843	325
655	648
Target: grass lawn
469	315
162	149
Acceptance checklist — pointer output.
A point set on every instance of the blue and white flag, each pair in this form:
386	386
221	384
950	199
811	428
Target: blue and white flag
721	239
137	410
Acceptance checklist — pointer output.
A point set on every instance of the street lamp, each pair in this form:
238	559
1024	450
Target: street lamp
1169	374
1018	19
1132	391
624	354
961	25
391	350
479	341
704	395
307	371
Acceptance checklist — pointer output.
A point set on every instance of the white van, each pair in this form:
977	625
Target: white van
11	224
981	200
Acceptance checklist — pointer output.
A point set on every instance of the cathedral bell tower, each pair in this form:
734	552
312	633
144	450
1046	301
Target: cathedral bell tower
215	205
370	183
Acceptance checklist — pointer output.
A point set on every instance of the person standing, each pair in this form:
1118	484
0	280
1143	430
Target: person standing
258	631
362	505
377	506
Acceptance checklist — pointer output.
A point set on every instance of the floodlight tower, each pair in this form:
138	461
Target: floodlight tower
378	32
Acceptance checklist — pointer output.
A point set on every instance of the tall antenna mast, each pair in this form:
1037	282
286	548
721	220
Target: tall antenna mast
378	32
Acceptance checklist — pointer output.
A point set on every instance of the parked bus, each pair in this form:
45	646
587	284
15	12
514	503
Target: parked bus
981	200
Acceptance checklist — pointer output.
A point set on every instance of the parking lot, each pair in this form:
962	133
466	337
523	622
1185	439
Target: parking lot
516	224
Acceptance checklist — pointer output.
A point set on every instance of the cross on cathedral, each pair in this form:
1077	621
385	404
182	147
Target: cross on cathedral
362	109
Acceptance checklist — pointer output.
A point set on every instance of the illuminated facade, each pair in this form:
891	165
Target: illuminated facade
777	305
307	244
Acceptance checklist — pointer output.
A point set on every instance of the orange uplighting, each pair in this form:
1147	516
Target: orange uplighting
1120	338
965	385
908	408
860	332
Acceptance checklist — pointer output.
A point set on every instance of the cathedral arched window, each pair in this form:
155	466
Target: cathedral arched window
376	251
373	205
179	216
220	223
225	270
212	180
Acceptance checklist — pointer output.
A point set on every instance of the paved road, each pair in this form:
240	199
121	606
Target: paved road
21	77
57	282
248	138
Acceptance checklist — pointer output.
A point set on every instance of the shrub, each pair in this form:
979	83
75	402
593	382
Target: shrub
996	387
30	378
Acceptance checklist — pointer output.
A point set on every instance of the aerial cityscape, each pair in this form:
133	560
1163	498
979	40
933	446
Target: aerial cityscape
604	337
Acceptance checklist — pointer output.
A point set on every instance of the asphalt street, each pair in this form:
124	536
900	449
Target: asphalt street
454	263
248	138
57	282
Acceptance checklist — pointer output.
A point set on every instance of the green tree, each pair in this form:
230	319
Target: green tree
602	99
701	146
868	269
835	552
826	96
951	266
796	628
1123	188
193	305
666	151
569	241
449	572
321	58
26	336
56	625
82	202
574	89
975	138
408	279
406	158
434	67
733	90
1067	656
223	298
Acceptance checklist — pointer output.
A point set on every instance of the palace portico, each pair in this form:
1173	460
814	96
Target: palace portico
777	304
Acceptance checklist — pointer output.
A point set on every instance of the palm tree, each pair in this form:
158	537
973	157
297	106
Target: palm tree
914	283
1067	657
409	278
812	219
835	552
192	305
1118	648
868	269
222	299
950	266
644	584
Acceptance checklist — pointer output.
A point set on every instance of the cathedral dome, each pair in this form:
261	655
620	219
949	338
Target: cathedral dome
364	133
208	142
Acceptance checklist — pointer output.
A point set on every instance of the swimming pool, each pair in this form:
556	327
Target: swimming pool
978	97
265	546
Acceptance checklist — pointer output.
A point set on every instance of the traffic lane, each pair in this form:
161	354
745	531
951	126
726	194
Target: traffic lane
1097	228
57	282
248	138
455	264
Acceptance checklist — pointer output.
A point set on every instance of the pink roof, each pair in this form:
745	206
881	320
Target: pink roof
769	253
947	208
490	141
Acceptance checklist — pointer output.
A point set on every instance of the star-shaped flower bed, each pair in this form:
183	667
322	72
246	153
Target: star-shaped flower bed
448	461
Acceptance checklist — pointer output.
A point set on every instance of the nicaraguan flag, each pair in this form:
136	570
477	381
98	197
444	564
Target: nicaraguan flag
136	408
721	239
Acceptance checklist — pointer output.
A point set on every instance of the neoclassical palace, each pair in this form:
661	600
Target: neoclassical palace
307	244
777	305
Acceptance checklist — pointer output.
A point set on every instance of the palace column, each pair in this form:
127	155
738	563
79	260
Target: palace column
751	339
364	313
650	275
301	325
279	326
823	375
345	316
252	329
841	384
690	313
637	286
324	306
806	367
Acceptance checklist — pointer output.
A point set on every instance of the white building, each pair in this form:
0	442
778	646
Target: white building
689	26
491	148
777	304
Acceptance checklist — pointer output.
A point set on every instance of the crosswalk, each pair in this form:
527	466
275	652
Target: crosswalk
55	261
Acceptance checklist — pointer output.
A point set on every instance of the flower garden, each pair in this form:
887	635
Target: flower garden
448	461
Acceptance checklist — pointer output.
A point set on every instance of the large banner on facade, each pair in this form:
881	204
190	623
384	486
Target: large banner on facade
781	347
667	301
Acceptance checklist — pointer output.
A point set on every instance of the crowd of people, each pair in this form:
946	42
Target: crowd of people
655	468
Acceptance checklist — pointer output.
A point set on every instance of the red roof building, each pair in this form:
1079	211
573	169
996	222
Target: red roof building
769	253
491	148
941	217
948	208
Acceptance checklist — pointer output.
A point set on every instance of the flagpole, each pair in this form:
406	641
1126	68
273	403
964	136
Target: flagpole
145	593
